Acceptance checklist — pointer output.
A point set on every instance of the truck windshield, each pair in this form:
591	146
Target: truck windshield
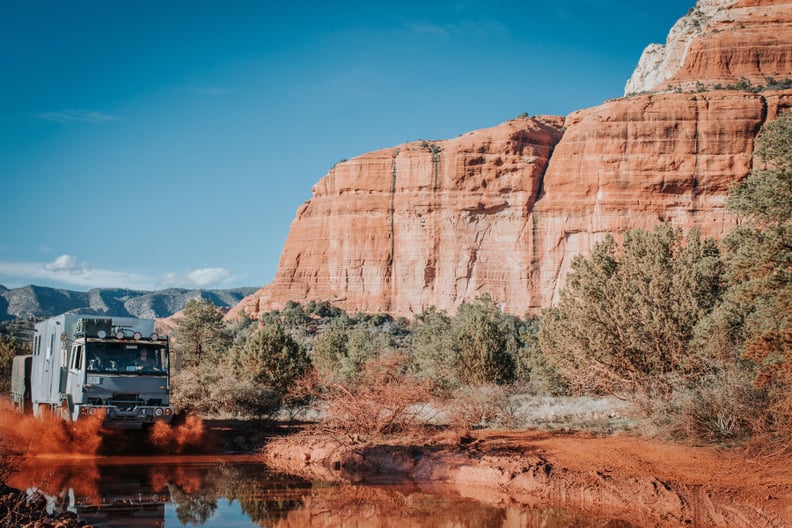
127	358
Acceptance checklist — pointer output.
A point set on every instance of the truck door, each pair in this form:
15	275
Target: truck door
64	367
76	373
48	372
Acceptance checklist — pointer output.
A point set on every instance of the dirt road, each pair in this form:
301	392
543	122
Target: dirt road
639	481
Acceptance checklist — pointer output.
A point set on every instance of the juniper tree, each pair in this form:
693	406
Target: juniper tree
484	343
627	313
273	359
433	355
759	256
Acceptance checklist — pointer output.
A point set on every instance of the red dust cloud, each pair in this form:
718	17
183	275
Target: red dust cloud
48	436
177	439
30	436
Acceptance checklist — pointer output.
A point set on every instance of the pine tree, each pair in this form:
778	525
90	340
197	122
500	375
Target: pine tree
200	334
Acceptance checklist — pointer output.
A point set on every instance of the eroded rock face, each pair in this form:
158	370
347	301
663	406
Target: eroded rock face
720	42
402	229
422	224
660	62
503	211
638	162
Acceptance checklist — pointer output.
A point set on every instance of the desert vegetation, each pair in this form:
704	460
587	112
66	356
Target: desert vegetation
696	332
693	333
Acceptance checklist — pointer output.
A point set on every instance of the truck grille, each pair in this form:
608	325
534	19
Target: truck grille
125	402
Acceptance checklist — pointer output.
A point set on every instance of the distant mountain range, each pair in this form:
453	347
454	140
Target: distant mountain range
40	302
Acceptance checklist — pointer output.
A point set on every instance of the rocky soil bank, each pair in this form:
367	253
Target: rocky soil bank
20	511
639	481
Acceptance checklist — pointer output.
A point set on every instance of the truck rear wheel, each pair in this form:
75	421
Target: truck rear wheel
65	412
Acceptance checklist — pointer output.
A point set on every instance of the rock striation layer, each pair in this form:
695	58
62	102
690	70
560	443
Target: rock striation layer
504	210
422	224
634	163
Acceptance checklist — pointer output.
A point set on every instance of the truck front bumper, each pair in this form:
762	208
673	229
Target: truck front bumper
134	418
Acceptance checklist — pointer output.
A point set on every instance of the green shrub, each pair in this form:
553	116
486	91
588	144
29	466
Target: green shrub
434	358
271	358
627	314
721	407
759	263
533	373
216	391
340	353
484	343
9	348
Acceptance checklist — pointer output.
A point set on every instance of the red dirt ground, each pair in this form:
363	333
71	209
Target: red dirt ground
639	481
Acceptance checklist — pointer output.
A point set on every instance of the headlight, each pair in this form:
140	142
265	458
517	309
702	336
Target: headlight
158	412
91	410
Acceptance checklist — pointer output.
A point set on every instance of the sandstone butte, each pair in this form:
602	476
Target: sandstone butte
504	210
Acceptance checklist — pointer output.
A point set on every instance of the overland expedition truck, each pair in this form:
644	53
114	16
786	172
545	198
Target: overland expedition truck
83	365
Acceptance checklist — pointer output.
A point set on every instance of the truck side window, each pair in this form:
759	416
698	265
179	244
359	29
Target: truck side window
77	353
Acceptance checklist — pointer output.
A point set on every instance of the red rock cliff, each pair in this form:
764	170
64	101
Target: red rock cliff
425	223
504	210
640	161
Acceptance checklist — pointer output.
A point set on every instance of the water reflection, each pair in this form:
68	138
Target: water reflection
237	491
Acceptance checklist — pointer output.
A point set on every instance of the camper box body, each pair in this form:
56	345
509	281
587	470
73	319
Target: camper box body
83	365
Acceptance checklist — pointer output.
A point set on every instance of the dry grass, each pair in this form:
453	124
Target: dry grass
724	407
474	407
499	408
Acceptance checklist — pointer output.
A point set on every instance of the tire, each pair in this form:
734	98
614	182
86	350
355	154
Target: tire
65	412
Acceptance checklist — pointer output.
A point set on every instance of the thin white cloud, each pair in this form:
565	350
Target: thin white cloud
69	271
197	278
208	276
66	263
480	28
77	116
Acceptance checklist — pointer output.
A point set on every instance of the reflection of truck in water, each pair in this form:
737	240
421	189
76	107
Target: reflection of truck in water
122	511
105	496
125	496
86	365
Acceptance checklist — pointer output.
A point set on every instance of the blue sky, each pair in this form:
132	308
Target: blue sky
149	144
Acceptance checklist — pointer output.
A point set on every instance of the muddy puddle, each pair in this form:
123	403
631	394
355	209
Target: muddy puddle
237	491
